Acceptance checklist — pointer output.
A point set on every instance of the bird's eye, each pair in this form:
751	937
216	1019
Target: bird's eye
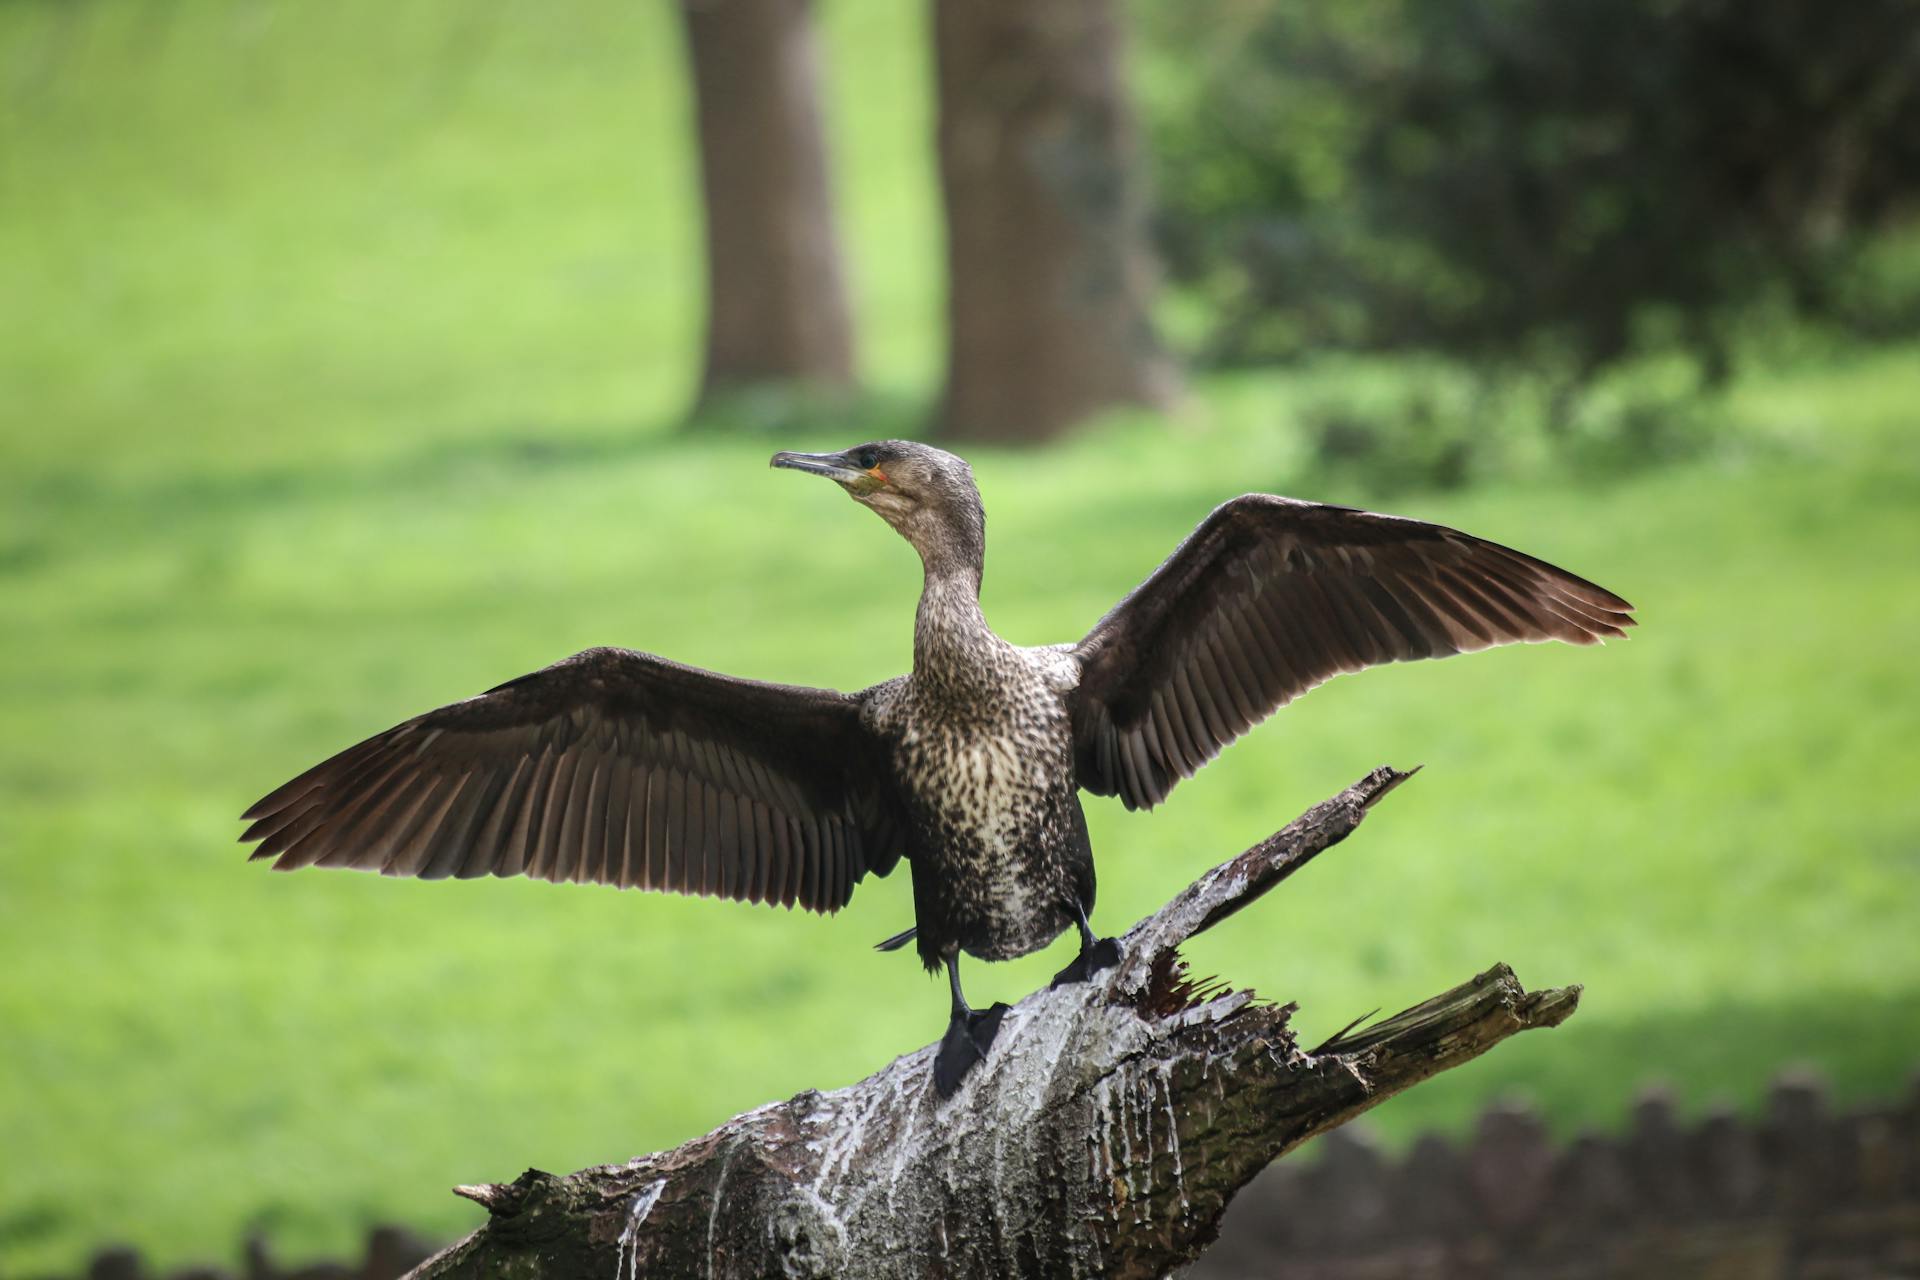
866	459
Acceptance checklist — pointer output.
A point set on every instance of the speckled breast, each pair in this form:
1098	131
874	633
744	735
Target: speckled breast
999	846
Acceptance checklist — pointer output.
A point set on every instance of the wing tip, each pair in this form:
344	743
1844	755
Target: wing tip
263	807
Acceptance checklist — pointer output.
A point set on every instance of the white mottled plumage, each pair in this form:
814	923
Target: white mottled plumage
982	742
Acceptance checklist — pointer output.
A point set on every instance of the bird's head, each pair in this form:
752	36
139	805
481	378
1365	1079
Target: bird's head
926	494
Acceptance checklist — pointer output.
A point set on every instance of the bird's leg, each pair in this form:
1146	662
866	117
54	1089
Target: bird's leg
1095	953
969	1035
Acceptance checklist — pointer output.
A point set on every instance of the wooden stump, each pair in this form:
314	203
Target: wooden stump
1104	1135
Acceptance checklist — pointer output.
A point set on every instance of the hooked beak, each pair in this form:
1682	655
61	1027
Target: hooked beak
835	466
820	464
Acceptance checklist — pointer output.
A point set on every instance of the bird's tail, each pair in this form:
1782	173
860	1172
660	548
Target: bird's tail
897	941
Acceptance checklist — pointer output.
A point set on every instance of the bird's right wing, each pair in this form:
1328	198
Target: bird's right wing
615	767
1271	596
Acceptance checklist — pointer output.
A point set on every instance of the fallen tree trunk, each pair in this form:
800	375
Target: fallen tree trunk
1104	1135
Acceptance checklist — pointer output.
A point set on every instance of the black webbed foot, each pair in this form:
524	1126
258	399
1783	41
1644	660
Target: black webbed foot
1103	953
969	1036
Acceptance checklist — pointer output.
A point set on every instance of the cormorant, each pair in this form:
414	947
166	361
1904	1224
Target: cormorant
624	768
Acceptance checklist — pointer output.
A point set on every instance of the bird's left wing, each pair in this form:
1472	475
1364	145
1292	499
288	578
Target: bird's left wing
614	767
1271	596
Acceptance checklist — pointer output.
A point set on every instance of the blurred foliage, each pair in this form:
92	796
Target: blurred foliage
1409	425
1557	186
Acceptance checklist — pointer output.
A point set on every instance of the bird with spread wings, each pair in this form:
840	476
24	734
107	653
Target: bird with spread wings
619	767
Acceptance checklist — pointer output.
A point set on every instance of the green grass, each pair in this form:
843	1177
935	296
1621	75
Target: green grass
338	345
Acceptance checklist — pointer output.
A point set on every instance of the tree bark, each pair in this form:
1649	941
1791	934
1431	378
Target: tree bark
1103	1136
777	311
1049	277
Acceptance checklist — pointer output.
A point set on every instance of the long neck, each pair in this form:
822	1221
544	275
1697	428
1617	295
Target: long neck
951	639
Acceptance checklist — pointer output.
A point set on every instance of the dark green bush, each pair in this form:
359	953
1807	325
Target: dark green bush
1555	186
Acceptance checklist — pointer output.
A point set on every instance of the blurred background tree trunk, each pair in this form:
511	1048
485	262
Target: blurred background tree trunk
777	310
1049	276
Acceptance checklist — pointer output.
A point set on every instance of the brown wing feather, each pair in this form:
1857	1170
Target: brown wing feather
1270	597
611	767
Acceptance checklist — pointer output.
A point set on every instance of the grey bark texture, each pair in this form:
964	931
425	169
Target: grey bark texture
777	311
1104	1135
1049	275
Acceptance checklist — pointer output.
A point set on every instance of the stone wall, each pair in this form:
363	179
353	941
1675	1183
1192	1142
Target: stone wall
389	1253
1804	1191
